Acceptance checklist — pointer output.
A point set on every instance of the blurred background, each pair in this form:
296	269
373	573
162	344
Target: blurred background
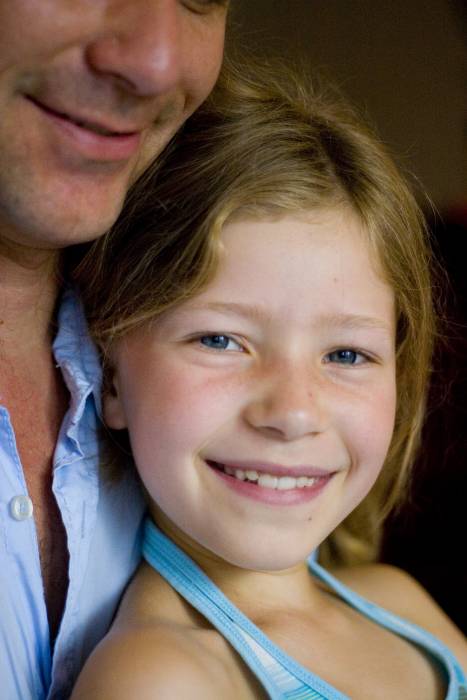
406	64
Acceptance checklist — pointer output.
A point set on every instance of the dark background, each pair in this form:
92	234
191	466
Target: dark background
406	63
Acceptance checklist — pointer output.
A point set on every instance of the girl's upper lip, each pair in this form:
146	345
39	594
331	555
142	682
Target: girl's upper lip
273	468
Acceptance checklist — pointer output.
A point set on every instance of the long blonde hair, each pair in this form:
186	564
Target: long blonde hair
268	142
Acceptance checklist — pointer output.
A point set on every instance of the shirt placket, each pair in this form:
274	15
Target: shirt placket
26	634
75	486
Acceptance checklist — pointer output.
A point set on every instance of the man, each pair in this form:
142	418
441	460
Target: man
90	92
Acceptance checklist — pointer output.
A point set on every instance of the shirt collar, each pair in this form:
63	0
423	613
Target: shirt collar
77	356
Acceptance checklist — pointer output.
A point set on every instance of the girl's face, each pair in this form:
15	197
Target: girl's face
260	412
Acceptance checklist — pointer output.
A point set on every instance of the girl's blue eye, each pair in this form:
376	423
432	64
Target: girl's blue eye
345	357
219	342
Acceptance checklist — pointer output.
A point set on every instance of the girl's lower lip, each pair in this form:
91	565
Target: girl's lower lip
274	497
88	143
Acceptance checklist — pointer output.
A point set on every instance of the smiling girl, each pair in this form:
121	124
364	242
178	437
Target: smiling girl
267	334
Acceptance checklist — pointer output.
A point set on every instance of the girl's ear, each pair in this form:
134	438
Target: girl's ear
114	414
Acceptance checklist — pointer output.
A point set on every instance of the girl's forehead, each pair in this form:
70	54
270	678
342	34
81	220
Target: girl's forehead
319	260
328	226
319	235
318	227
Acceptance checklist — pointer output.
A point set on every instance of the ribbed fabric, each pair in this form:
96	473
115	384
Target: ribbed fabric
280	675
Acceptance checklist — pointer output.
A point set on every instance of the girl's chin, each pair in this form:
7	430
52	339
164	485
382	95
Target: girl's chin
258	556
268	547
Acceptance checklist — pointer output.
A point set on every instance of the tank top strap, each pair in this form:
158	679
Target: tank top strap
186	577
457	688
279	674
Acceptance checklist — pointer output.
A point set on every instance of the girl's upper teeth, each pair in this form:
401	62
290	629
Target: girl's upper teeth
268	481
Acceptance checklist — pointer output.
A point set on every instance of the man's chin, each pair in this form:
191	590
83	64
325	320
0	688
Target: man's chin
53	225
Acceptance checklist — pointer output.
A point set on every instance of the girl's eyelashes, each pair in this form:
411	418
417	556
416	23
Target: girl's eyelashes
225	342
348	356
219	341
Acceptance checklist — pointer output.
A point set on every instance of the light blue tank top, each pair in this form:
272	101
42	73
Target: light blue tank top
281	676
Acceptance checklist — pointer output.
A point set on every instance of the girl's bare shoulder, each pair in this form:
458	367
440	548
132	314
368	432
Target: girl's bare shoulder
155	661
397	591
157	648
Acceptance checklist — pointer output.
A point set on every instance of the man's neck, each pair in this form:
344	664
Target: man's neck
33	392
28	291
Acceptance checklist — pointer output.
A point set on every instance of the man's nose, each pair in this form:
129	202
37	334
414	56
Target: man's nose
288	405
141	46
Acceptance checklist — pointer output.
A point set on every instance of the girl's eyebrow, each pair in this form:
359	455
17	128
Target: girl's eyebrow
355	321
348	321
253	311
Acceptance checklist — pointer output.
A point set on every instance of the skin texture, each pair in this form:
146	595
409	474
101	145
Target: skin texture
134	66
159	645
274	395
274	391
135	69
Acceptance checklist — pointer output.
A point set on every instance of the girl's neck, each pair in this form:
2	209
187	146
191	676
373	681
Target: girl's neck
288	589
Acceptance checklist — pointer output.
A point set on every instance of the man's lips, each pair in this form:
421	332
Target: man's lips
90	139
101	127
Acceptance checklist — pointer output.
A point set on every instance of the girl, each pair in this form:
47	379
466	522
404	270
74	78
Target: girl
267	335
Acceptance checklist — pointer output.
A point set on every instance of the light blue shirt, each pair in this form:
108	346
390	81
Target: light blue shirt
102	521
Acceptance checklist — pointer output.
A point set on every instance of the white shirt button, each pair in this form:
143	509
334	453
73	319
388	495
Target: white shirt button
21	507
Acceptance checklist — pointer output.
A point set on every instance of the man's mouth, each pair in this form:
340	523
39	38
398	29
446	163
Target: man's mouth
270	481
89	125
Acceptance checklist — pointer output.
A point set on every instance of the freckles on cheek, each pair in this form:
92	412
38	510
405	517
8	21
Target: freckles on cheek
207	405
377	434
145	398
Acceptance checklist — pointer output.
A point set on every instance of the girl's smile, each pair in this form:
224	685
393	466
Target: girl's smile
262	409
273	484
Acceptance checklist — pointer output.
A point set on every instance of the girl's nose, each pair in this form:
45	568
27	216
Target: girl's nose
287	406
